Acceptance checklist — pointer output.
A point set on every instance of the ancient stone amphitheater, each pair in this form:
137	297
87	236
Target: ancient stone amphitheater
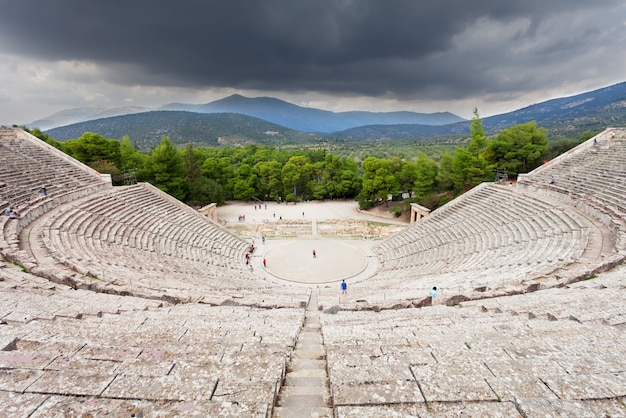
122	301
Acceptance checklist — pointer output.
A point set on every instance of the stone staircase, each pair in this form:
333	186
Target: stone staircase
305	390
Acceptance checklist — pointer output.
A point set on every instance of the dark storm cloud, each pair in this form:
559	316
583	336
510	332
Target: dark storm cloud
398	48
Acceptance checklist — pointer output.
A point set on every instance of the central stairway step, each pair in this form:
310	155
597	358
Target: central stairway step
305	391
295	412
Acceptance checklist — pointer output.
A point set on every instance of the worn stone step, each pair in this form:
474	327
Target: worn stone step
304	391
301	397
305	381
305	364
304	412
309	355
308	373
309	339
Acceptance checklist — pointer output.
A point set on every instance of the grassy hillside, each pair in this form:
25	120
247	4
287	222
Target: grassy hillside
146	129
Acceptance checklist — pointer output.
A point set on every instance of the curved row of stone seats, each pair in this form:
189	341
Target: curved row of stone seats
492	233
176	360
478	361
592	177
25	298
27	165
601	300
136	240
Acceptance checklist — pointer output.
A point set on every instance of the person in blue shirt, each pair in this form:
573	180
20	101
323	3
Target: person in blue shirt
344	287
433	292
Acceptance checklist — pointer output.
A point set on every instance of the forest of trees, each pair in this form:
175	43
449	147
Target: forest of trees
202	175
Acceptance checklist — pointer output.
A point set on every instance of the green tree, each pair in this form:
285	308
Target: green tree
350	184
468	169
558	147
203	191
425	177
445	173
44	137
219	169
91	147
588	134
130	156
193	170
244	183
378	181
105	167
407	176
479	141
469	166
167	169
270	181
295	176
518	149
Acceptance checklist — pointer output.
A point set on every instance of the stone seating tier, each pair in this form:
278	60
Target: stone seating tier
137	354
492	234
480	359
133	240
26	167
68	350
591	176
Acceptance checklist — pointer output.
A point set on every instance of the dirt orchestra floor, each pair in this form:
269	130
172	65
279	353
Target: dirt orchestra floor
291	258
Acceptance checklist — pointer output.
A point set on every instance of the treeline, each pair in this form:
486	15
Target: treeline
202	175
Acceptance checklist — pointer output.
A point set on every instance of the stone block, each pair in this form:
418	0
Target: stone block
86	366
509	388
25	359
20	404
456	388
536	407
415	410
71	382
474	409
109	353
162	388
361	393
18	380
254	391
584	386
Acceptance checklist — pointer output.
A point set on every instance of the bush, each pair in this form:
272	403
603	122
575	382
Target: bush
364	203
396	210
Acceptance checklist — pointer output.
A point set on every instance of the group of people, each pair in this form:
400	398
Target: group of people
12	213
260	206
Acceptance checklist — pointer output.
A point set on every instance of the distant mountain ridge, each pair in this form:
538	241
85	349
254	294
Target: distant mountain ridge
307	119
594	110
270	109
207	129
83	114
567	116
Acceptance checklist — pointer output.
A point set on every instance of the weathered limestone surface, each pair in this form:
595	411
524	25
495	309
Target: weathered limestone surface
480	359
146	358
140	315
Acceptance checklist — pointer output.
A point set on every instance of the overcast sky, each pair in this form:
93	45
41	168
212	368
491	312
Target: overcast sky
378	55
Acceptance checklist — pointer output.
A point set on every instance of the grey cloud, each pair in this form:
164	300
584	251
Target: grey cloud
400	48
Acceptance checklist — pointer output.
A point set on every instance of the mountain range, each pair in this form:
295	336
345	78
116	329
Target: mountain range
239	120
206	129
273	110
309	119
